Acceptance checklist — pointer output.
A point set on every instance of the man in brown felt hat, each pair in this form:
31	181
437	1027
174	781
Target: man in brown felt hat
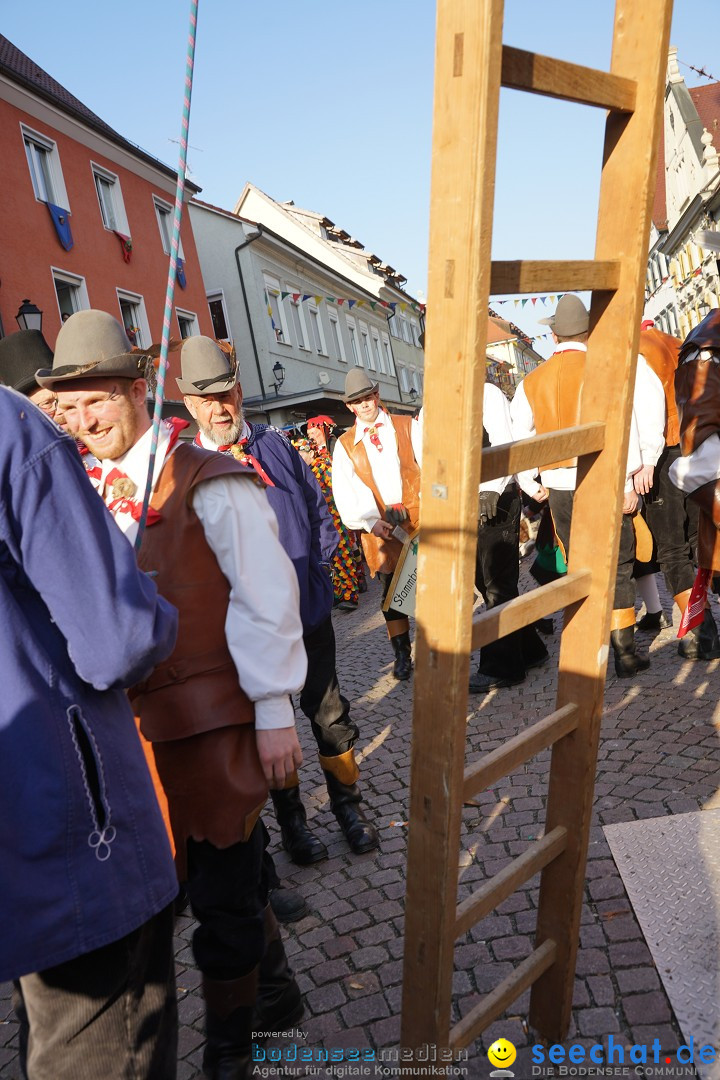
376	486
548	399
213	397
218	712
21	354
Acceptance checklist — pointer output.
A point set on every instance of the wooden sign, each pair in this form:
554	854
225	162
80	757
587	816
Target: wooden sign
401	594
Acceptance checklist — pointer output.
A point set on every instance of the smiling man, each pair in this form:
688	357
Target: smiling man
376	486
218	712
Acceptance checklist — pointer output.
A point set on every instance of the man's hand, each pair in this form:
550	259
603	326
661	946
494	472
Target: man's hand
396	514
542	495
383	529
487	506
643	479
279	752
630	502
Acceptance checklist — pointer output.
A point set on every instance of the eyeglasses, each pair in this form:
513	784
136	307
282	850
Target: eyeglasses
48	405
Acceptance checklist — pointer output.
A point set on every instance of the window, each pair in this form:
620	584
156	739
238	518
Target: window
134	319
404	379
112	208
45	171
414	333
388	354
405	330
354	347
298	321
378	353
187	321
394	324
336	337
276	310
316	329
164	212
218	314
369	362
71	292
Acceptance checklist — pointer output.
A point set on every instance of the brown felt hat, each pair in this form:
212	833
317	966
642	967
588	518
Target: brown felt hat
571	317
205	368
358	385
20	356
91	344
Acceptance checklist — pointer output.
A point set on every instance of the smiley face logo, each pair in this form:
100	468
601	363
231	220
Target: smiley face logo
502	1053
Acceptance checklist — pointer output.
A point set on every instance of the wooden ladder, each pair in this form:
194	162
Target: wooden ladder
471	65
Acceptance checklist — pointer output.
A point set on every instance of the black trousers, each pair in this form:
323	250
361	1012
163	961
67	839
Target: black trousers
390	615
110	1013
561	504
227	888
497	571
673	521
321	701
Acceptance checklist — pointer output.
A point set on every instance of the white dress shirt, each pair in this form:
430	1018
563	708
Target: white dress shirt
354	499
565	478
262	627
650	411
690	472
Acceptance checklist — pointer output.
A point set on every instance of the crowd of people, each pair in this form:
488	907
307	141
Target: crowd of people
147	713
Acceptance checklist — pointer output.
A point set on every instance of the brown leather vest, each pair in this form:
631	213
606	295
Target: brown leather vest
697	391
554	391
661	352
382	555
196	689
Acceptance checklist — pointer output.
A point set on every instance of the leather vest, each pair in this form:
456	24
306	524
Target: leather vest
554	391
382	555
661	352
196	689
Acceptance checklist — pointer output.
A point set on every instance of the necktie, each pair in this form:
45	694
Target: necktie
374	437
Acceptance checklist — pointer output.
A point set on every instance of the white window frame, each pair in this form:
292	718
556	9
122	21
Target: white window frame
144	340
367	350
58	196
414	332
218	294
354	343
394	325
315	320
116	197
405	330
336	336
298	306
161	208
75	282
404	379
191	316
272	288
378	350
385	338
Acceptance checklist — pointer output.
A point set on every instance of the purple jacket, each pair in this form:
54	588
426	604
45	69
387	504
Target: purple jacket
84	856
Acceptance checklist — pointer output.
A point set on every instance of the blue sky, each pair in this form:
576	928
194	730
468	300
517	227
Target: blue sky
331	105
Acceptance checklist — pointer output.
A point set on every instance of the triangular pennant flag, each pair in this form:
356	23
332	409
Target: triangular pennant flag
393	306
373	304
317	299
296	297
552	299
516	302
306	296
331	300
351	303
340	301
284	295
533	300
524	301
402	308
360	303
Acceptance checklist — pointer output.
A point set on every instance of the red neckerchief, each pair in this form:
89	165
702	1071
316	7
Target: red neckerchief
374	437
124	504
235	450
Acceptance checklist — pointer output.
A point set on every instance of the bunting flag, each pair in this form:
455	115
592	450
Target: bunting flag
125	245
181	279
389	305
61	221
551	298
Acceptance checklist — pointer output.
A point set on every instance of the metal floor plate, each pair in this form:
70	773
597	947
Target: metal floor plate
670	867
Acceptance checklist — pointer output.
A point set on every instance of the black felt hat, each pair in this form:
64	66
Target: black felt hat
21	354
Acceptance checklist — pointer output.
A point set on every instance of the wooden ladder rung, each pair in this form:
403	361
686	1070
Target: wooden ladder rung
495	1003
504	883
525	276
537	74
508	458
488	625
516	751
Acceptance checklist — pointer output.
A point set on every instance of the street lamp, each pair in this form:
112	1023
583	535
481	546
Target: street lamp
29	317
279	373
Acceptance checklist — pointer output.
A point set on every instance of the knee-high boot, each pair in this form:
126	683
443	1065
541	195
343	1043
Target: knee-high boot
279	1003
302	846
341	774
229	1007
622	639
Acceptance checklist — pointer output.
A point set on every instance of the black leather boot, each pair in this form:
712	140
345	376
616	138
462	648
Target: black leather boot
341	774
627	661
279	1002
402	668
229	1026
702	642
301	845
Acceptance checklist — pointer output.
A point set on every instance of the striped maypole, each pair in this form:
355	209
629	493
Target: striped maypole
172	272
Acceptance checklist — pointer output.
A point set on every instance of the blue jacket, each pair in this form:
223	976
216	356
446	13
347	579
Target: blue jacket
84	856
306	529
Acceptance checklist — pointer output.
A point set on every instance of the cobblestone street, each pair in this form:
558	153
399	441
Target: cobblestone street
659	755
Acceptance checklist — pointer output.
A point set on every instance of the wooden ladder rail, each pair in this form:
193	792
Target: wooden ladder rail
471	63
